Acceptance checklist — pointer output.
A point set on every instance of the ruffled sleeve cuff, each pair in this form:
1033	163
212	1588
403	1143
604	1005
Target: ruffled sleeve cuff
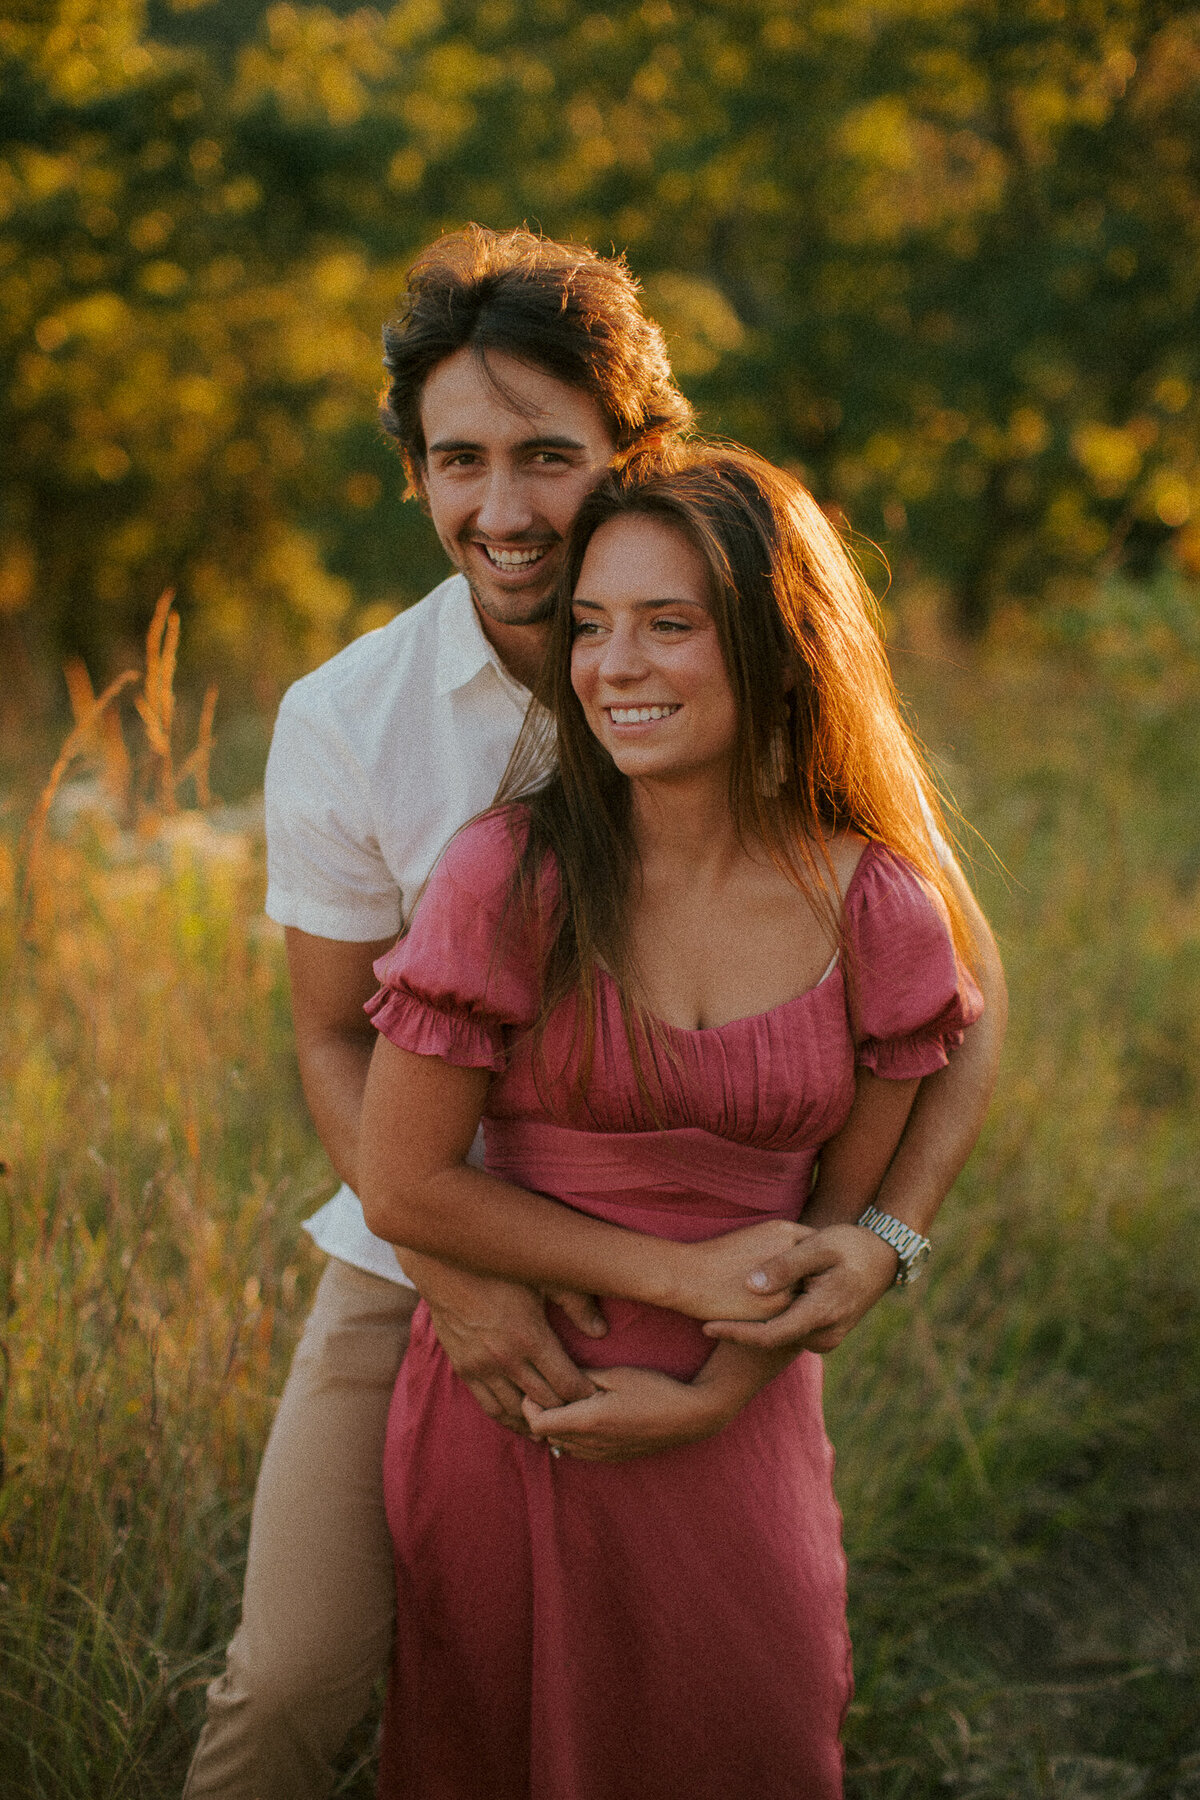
412	1023
919	1053
461	982
913	999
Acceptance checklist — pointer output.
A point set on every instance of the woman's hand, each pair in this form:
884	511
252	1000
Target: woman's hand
844	1270
637	1412
712	1279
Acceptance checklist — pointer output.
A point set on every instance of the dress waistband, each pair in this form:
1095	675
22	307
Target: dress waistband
597	1162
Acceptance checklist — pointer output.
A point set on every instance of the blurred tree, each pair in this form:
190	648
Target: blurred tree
943	258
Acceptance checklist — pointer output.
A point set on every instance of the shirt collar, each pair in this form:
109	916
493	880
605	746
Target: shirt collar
463	650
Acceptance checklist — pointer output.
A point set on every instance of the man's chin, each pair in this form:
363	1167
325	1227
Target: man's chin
513	609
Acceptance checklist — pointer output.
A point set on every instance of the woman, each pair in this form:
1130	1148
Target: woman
713	944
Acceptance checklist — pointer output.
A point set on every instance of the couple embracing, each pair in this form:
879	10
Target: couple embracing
682	1046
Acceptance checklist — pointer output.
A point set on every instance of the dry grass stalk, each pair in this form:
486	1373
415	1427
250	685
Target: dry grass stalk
97	734
196	765
104	727
156	702
79	741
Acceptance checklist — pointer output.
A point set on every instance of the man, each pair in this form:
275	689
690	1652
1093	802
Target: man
519	371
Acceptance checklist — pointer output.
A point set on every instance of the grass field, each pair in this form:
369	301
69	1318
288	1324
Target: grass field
1019	1456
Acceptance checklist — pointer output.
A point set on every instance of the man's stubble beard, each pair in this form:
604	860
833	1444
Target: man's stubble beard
541	614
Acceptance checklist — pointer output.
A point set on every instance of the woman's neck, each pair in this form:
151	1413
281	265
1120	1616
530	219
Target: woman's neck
686	822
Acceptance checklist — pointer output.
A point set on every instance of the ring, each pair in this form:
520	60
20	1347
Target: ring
556	1449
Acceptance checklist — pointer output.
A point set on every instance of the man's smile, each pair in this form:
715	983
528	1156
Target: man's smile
525	558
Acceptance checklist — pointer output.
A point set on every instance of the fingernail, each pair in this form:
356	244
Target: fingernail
758	1280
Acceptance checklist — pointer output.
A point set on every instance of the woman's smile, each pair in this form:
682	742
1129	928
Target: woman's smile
641	715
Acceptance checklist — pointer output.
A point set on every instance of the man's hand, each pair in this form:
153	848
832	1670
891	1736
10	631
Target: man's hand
712	1276
632	1412
844	1270
498	1341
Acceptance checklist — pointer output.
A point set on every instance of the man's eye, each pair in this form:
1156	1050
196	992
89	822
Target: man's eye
547	457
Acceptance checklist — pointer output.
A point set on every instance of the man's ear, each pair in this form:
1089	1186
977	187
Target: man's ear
414	480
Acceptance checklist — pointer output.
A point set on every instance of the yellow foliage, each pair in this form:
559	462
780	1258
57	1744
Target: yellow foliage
700	324
93	48
1172	497
316	63
913	174
291	562
1028	431
98	316
18	571
406	24
1172	394
1110	454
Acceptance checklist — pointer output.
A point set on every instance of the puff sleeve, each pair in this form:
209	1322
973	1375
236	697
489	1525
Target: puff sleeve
464	977
910	996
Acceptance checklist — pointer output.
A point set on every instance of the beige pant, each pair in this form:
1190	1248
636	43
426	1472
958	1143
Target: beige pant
318	1604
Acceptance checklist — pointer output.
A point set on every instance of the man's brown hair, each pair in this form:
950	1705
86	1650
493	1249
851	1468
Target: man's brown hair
560	307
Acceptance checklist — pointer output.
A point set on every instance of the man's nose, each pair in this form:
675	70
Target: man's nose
506	511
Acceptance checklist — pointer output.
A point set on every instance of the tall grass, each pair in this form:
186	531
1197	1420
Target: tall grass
157	1159
1018	1449
1019	1441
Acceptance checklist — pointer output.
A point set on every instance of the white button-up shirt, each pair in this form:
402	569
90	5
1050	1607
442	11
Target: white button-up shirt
377	758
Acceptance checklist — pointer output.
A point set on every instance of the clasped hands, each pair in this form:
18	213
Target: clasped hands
775	1288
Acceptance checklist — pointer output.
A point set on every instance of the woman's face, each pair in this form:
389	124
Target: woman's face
646	663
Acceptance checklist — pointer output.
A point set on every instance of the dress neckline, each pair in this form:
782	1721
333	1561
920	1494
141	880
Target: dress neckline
781	1006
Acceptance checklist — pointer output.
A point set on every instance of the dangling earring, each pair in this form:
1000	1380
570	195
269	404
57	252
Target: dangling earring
781	761
775	772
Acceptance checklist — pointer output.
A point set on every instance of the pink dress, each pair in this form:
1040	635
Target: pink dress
674	1627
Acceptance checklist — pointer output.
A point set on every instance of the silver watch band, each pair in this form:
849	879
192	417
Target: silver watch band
911	1248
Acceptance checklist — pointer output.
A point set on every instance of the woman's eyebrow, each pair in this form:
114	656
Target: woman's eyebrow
644	605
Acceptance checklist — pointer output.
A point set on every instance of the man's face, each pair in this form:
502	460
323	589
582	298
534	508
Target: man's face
510	457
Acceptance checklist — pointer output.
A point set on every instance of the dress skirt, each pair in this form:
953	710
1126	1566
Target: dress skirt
669	1628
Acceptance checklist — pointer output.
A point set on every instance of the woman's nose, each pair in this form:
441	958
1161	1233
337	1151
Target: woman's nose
623	658
505	512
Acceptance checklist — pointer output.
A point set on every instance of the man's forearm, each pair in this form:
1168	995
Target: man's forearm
333	1073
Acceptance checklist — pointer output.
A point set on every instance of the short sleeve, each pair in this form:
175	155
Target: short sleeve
325	872
465	976
910	997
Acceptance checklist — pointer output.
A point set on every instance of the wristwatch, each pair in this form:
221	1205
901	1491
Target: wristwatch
912	1249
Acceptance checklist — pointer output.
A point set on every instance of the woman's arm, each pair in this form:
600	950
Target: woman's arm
844	1268
418	1121
638	1412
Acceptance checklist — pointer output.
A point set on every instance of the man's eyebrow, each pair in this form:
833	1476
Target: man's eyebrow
445	446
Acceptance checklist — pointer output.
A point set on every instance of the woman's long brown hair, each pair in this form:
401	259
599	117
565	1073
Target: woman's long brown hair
816	705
